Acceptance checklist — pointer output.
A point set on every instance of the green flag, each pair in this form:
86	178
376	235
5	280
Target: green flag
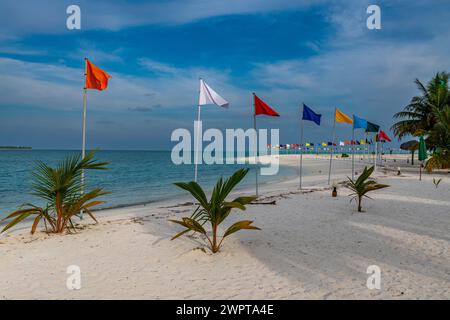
422	150
372	127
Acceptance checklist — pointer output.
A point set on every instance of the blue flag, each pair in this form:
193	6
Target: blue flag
359	123
310	115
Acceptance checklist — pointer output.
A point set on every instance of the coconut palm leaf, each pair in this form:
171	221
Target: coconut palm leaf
195	190
363	185
246	224
62	188
19	216
215	210
421	114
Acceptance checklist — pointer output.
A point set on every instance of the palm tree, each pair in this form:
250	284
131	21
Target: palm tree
215	211
62	189
419	116
440	137
363	185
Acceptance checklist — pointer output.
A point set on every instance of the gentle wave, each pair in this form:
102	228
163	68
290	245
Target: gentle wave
135	177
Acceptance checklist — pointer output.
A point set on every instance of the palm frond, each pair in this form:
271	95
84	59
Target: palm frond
421	115
363	185
61	187
216	210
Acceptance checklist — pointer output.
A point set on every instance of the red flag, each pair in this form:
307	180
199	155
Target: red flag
96	78
384	136
262	108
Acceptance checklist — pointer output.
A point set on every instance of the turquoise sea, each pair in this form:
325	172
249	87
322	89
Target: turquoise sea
134	177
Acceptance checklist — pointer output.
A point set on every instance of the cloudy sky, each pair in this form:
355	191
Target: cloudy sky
287	51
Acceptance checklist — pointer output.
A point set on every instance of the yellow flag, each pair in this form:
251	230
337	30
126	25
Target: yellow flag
342	117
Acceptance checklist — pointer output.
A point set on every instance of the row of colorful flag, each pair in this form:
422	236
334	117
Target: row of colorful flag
327	149
262	108
96	78
323	144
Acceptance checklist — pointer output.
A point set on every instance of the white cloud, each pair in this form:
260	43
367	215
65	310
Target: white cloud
20	50
373	80
56	86
369	73
91	49
158	67
49	16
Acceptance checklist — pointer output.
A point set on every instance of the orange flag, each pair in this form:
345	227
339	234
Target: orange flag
342	117
96	78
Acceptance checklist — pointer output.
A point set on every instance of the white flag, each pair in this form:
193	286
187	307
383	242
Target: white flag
209	96
342	143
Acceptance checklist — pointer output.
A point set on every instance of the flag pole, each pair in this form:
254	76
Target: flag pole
302	123
376	151
420	170
332	146
368	145
198	134
256	156
197	144
353	150
83	146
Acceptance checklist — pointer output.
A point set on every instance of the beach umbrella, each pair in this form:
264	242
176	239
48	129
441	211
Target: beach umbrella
422	154
422	150
411	146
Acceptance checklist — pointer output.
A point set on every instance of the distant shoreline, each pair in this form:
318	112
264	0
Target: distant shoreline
15	148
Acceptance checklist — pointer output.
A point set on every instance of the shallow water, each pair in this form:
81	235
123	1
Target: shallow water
134	176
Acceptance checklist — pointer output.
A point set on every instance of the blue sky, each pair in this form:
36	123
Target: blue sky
288	52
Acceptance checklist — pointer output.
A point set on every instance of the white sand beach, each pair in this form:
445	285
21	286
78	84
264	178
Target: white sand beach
311	246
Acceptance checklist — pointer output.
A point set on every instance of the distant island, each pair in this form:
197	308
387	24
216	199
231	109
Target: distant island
14	148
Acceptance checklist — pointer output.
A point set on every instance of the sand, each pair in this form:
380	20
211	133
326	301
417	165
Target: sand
311	246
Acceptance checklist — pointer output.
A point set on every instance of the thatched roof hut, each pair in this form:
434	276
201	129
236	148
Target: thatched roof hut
411	146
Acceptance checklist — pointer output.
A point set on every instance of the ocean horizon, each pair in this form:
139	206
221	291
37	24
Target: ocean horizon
135	176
